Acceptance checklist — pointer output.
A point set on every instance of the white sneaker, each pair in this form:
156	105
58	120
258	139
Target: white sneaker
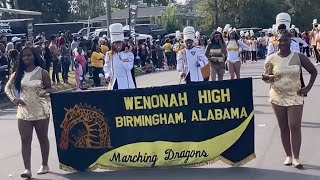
43	169
26	174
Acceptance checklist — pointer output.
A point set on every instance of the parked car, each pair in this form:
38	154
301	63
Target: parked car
171	36
84	32
100	33
138	36
152	29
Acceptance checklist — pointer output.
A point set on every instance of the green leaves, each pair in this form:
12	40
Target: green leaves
168	19
254	13
51	10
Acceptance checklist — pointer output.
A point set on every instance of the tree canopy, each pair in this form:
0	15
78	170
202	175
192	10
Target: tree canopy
214	13
254	13
51	10
168	20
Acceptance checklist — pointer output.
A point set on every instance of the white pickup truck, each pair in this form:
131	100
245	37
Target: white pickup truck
104	31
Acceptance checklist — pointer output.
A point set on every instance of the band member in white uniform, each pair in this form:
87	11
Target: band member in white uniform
191	59
283	22
294	37
118	61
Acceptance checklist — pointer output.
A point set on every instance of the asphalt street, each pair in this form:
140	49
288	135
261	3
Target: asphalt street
269	151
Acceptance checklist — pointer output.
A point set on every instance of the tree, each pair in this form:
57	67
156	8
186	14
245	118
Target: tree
119	4
159	2
168	19
254	13
51	10
83	9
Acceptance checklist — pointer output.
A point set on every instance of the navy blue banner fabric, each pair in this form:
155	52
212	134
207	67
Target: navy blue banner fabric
179	125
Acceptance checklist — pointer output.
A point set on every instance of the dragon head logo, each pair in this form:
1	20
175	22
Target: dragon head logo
92	129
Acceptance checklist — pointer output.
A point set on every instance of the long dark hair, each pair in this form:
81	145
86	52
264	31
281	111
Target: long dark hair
204	40
213	40
236	36
21	66
295	32
113	49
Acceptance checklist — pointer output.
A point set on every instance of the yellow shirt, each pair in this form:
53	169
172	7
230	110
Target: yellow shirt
167	47
104	49
97	60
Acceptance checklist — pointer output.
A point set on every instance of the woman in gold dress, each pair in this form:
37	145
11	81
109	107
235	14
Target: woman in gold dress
283	72
27	89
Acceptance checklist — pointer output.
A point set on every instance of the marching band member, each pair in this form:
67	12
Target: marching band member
206	69
179	42
225	32
243	51
191	59
314	35
294	37
198	36
216	52
272	41
119	61
233	47
283	21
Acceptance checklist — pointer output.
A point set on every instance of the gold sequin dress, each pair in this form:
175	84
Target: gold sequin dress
283	91
37	108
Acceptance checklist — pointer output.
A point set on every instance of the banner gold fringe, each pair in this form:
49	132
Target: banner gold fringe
219	158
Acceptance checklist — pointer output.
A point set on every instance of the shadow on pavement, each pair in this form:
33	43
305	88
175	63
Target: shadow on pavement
311	167
310	125
193	174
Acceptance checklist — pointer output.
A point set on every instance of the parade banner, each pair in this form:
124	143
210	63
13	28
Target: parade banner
181	125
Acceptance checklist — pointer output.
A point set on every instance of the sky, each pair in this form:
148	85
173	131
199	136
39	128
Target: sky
181	1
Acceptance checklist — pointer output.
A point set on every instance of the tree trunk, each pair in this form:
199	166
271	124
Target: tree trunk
216	10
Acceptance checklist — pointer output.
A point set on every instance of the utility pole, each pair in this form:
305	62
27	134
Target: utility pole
108	13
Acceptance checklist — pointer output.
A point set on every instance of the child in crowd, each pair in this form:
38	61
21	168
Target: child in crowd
78	75
81	60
